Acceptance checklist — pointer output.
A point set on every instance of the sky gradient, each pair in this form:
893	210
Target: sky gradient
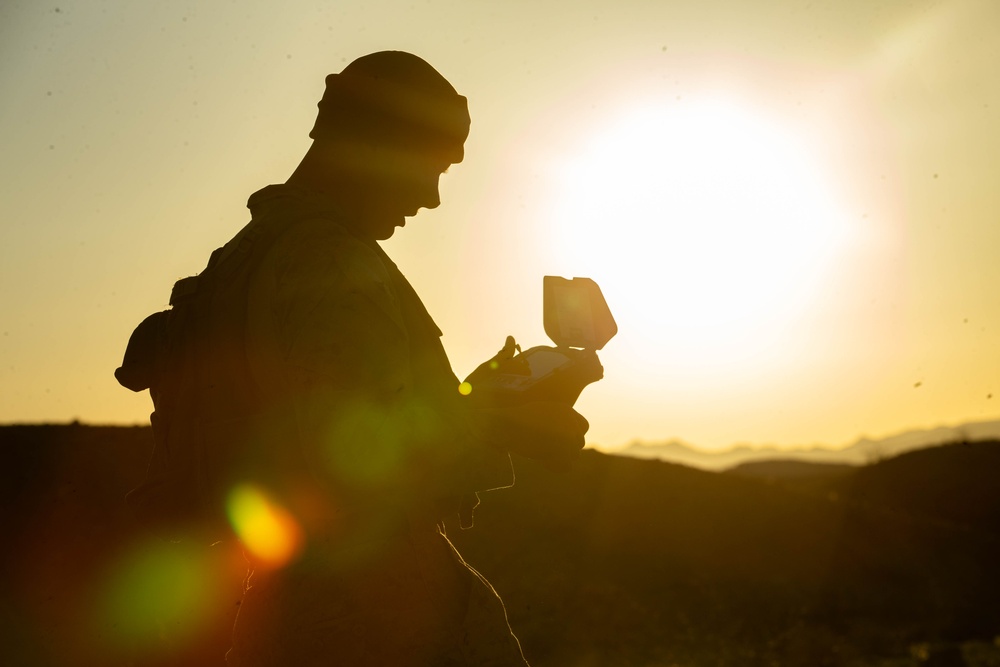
793	208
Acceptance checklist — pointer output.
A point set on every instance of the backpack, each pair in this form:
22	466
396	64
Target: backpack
192	359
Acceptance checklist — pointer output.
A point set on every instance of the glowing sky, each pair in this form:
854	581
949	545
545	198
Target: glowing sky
793	207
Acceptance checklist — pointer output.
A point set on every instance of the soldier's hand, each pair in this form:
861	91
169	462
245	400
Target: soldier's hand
549	432
503	361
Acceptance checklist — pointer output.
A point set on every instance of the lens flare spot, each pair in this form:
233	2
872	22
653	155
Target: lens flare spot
158	593
465	389
264	527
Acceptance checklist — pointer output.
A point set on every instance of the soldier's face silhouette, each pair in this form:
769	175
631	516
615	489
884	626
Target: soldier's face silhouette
401	182
392	125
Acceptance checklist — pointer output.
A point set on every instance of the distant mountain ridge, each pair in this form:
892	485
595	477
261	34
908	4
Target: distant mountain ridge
862	452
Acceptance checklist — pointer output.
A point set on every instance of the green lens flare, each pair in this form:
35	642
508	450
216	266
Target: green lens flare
160	593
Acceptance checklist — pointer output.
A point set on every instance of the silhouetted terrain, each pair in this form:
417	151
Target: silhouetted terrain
619	562
636	562
862	452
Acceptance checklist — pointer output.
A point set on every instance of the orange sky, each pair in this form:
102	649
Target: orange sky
792	209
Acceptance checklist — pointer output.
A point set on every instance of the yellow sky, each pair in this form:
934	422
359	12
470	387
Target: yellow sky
792	207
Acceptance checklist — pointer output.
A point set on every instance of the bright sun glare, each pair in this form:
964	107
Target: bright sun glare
707	226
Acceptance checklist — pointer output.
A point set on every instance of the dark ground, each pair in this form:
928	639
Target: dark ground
619	562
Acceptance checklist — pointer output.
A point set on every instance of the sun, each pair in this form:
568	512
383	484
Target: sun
707	225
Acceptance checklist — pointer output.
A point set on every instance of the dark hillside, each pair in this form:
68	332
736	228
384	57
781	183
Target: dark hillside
958	484
619	562
788	469
684	561
953	483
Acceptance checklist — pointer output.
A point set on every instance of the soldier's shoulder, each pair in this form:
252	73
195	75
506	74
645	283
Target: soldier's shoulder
323	248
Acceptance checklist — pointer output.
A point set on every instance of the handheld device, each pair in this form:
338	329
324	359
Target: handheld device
577	319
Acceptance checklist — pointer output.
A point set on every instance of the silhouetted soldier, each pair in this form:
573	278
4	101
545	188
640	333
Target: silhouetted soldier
361	431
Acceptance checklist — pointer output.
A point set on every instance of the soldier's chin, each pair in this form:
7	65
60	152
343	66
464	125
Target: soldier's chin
383	228
386	230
